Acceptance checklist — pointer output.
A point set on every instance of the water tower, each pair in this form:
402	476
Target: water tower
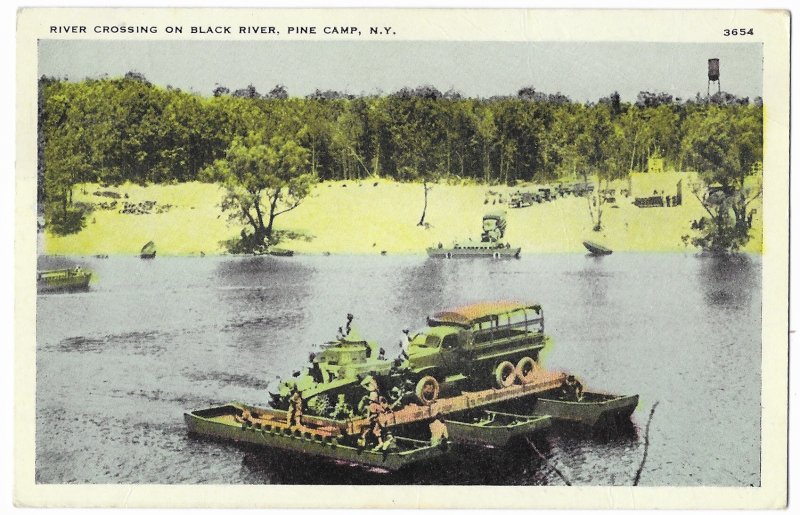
713	75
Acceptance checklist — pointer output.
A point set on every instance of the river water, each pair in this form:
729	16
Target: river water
117	366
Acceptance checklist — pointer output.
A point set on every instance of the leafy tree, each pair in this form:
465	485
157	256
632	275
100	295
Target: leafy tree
278	92
264	177
724	145
249	92
347	134
593	144
221	91
417	137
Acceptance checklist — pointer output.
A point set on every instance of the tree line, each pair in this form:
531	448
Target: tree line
112	130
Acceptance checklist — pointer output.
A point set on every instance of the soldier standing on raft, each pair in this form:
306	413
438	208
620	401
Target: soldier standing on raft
245	418
404	342
295	411
348	326
375	406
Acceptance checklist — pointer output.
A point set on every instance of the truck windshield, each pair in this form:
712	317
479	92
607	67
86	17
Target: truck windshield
426	340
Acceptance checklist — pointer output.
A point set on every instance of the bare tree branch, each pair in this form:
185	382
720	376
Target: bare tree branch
712	215
646	446
547	462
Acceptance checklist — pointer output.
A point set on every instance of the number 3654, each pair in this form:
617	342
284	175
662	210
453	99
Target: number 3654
737	32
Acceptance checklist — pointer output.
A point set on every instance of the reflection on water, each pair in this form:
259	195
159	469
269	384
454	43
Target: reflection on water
117	366
465	465
728	282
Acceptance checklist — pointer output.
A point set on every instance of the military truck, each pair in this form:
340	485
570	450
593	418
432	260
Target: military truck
477	346
521	199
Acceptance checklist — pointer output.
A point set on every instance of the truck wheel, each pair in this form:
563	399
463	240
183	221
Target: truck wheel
505	374
427	390
526	370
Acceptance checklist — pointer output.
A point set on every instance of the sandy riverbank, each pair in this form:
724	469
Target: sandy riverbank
360	217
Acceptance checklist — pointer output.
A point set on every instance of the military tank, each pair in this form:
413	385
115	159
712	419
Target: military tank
331	384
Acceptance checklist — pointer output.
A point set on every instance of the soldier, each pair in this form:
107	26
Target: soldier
370	384
402	394
295	411
349	323
572	389
388	443
245	418
344	333
404	343
372	432
439	433
376	408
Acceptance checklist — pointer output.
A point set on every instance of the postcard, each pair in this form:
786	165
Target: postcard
439	258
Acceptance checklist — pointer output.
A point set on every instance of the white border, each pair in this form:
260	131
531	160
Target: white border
774	244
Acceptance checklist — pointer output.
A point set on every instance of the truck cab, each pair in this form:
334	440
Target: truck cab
443	347
494	226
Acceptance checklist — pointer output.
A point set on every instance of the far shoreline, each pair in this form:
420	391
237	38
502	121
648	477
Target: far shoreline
374	216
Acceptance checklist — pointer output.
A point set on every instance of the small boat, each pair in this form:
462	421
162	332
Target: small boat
269	429
280	252
492	428
148	251
595	249
593	409
65	279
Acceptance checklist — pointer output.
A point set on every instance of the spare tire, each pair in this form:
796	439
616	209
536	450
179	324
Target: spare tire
526	370
505	374
427	390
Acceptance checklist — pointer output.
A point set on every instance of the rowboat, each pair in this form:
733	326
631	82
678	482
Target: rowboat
148	251
492	428
593	409
269	429
596	249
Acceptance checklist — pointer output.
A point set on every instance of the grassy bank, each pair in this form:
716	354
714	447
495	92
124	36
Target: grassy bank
369	217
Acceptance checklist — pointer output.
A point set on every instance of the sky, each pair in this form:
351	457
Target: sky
582	71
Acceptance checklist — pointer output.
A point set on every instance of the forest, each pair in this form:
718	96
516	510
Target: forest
113	130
